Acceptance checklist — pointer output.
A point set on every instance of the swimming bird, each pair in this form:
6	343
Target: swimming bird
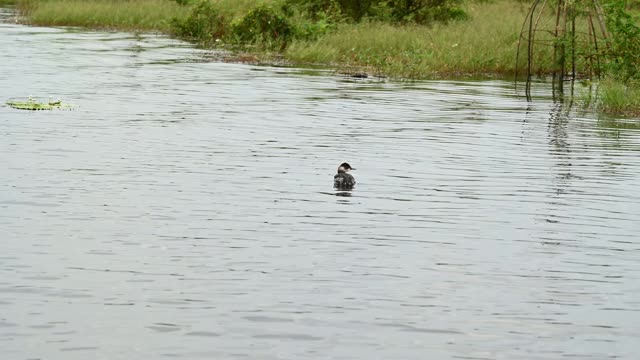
342	180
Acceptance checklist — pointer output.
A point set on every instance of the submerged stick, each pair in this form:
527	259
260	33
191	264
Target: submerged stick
573	45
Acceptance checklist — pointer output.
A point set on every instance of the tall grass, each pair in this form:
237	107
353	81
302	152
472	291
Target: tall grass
485	44
145	15
614	97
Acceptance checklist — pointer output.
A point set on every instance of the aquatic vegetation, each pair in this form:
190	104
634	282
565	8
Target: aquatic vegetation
615	97
34	104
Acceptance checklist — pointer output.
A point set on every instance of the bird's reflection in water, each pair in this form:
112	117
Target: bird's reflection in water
343	196
343	193
340	193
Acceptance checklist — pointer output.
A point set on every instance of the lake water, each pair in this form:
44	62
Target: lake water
185	210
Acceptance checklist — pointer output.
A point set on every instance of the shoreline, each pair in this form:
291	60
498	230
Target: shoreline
456	49
480	47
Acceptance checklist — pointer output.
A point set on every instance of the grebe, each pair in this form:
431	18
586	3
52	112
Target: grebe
342	180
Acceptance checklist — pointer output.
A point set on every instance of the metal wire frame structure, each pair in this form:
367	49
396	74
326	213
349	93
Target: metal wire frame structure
556	25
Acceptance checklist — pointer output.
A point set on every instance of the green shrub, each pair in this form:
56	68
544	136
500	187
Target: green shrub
205	23
419	11
335	9
313	30
184	2
623	54
263	26
405	11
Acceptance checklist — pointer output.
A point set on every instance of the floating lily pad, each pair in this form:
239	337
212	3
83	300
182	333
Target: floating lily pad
33	104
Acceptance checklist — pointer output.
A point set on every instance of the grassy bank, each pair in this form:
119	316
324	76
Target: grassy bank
614	97
143	15
484	44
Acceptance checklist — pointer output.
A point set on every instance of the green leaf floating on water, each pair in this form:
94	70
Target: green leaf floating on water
33	104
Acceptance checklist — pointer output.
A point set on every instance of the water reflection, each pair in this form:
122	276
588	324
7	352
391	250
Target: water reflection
185	210
343	193
560	148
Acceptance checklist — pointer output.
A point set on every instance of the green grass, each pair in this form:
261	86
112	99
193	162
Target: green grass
614	97
144	15
485	44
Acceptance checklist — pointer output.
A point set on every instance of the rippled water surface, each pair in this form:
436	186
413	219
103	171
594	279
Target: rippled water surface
185	210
